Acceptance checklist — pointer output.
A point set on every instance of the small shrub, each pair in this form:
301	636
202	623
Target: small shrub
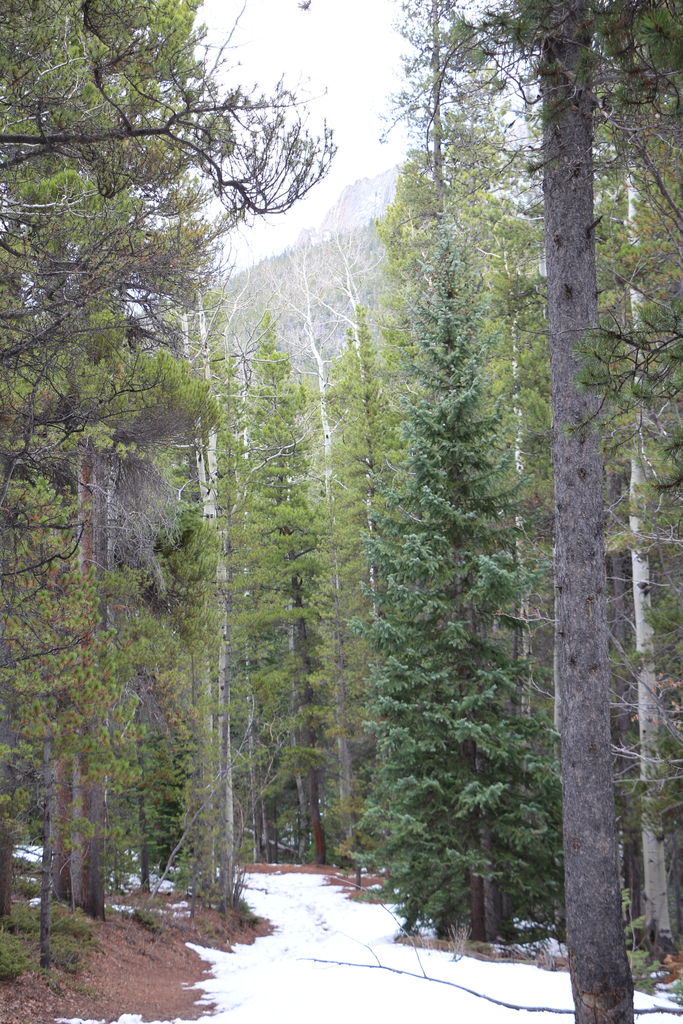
149	919
73	923
23	920
644	969
459	935
28	888
247	915
14	958
67	952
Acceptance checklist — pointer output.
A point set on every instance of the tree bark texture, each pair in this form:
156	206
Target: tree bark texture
601	980
7	788
656	894
308	731
655	888
46	873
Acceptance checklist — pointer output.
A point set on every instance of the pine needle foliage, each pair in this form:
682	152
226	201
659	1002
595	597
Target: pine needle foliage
466	791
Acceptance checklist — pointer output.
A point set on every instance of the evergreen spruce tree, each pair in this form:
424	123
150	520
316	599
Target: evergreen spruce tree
467	798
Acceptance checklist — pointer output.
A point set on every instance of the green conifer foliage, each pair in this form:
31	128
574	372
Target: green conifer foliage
467	798
364	423
276	623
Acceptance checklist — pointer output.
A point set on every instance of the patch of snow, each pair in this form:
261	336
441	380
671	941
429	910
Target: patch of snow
165	886
33	854
325	959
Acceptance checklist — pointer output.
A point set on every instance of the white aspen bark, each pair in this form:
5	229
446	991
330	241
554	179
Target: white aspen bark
655	894
321	377
324	419
655	897
207	457
519	467
207	471
252	779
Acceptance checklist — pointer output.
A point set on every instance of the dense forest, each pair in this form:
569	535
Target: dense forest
370	555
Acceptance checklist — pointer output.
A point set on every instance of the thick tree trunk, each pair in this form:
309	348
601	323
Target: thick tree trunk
93	902
601	980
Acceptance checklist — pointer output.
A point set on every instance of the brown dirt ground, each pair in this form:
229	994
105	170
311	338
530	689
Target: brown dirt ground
132	970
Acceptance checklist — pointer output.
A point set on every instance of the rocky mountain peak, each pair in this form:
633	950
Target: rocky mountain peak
357	206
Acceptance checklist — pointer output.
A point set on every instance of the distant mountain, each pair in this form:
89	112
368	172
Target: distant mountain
358	205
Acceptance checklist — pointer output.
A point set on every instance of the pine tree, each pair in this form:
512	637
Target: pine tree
364	422
276	620
466	791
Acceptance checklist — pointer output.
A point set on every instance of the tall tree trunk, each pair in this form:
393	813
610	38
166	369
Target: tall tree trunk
655	889
7	787
6	851
226	789
655	894
46	875
93	902
437	133
477	909
601	980
309	733
142	813
87	875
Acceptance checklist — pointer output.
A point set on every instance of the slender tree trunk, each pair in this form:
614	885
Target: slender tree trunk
437	133
227	800
309	732
619	569
61	859
655	894
77	893
142	815
7	786
6	851
655	888
601	980
88	790
46	875
477	909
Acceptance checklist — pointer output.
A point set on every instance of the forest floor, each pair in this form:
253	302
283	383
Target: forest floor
131	968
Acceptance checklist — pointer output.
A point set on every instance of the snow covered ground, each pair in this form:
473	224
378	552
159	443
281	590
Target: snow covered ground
277	978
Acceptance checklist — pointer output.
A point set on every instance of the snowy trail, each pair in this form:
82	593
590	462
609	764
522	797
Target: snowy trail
276	978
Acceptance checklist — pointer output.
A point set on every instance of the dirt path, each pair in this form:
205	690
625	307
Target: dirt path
131	970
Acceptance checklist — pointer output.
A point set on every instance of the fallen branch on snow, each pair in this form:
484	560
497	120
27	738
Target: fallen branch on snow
479	995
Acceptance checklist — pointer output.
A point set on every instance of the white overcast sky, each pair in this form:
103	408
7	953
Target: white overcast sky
345	56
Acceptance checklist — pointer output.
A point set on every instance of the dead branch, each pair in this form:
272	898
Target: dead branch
471	992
